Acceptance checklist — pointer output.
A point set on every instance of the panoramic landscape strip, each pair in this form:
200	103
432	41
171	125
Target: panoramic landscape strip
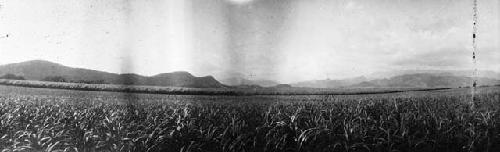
205	91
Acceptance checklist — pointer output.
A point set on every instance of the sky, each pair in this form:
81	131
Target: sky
283	40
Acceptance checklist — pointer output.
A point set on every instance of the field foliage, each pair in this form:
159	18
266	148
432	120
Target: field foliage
233	91
35	119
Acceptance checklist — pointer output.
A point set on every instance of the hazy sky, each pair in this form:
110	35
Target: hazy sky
285	40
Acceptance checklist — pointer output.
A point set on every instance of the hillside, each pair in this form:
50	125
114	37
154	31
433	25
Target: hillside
425	80
40	69
330	83
460	73
239	81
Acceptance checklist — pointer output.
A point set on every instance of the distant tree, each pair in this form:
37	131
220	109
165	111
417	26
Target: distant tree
90	81
99	82
248	86
54	79
283	86
12	77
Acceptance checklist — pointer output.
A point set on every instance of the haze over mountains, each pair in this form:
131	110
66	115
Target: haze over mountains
408	78
462	73
330	83
426	80
236	81
40	69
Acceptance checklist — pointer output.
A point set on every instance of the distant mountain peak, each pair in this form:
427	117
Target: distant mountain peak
175	74
392	73
330	83
241	81
180	72
425	80
38	62
40	69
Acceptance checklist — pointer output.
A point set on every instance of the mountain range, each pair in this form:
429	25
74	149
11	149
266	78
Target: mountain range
460	73
240	81
426	80
41	69
330	83
409	79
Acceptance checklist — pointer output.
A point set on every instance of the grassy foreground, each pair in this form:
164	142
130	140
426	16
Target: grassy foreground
35	119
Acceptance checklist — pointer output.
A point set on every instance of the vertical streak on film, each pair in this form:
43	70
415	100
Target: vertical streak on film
474	50
2	6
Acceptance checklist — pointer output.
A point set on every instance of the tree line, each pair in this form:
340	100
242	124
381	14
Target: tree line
11	76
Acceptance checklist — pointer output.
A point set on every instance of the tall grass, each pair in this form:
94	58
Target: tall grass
59	120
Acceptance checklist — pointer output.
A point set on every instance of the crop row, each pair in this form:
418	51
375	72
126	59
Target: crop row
179	123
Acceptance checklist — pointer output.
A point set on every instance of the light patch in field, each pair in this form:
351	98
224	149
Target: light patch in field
240	1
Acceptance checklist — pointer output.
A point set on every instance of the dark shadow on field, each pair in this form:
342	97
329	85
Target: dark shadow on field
129	101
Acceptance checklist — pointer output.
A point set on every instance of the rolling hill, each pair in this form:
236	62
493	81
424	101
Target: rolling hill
406	79
330	83
239	81
40	69
425	80
460	73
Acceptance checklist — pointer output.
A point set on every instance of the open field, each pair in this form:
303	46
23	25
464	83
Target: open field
40	119
205	91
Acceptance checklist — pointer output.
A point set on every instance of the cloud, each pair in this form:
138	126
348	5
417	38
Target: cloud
436	25
446	57
287	40
241	1
353	6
